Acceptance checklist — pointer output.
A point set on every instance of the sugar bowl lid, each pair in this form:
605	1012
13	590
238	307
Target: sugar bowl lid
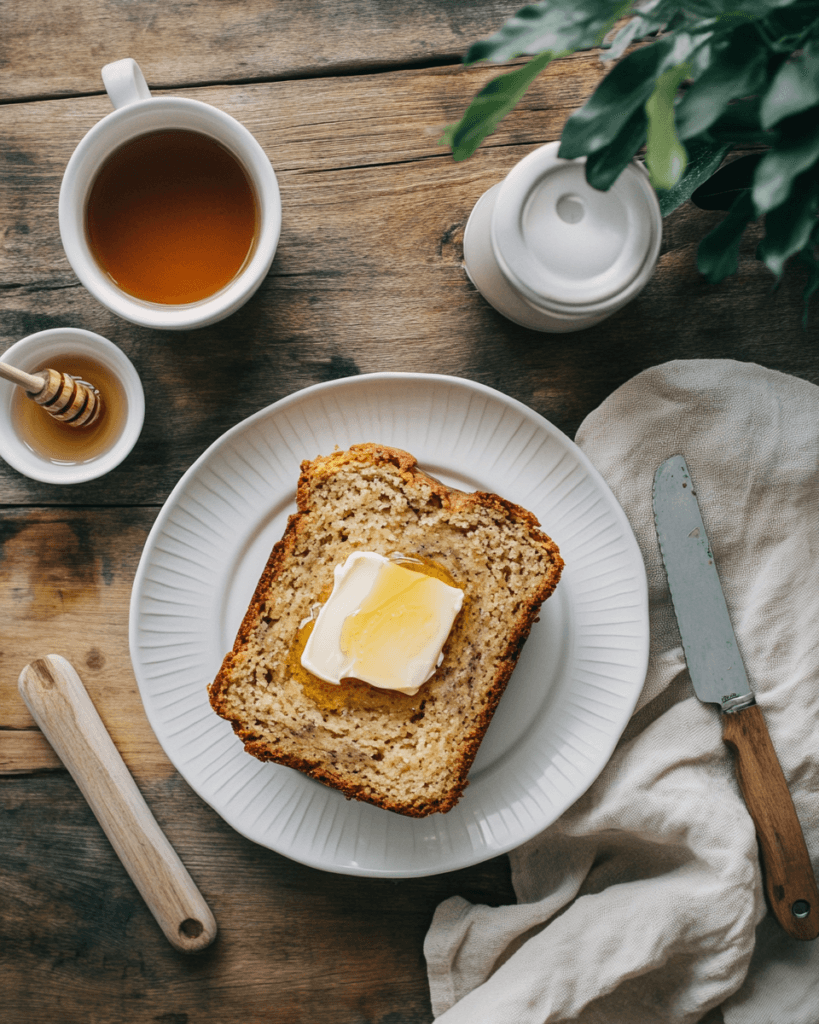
568	246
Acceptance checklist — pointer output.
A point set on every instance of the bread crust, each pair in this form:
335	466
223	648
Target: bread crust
313	474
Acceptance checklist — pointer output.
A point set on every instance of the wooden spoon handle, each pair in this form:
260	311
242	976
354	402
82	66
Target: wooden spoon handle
60	705
790	884
31	382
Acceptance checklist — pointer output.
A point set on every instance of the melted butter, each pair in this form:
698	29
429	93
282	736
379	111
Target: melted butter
353	692
396	625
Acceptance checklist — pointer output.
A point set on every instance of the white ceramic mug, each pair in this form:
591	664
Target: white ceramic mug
138	113
552	253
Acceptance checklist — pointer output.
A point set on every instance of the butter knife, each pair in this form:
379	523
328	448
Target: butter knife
718	675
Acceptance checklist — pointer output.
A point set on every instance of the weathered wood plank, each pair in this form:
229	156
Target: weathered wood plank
65	589
368	277
369	271
26	751
305	127
295	945
57	47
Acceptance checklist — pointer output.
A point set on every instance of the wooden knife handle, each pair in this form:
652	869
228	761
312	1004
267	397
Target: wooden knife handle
60	705
790	884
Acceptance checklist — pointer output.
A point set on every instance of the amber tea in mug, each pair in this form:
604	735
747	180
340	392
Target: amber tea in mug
172	217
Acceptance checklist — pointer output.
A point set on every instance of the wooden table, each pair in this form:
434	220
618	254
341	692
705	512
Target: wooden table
348	98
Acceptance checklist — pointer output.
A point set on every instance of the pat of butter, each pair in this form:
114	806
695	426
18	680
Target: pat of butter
383	624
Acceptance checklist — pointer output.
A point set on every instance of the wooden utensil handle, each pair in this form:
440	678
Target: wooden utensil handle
60	705
790	884
31	382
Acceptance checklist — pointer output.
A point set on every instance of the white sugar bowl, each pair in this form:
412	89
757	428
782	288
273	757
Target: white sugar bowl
552	253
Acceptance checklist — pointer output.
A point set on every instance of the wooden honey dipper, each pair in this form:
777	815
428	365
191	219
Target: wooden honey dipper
61	395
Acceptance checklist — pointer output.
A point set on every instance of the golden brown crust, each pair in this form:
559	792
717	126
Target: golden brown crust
313	475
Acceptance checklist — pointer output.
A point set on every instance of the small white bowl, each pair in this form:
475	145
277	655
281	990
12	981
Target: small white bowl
45	349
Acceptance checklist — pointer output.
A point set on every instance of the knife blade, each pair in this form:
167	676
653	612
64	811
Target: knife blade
718	676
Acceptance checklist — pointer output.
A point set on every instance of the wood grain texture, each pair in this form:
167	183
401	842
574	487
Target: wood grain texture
59	703
58	48
368	275
26	751
66	583
789	881
295	945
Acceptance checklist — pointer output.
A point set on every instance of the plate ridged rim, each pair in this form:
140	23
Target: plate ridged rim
449	424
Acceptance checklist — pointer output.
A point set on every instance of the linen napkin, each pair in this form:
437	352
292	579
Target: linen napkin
643	903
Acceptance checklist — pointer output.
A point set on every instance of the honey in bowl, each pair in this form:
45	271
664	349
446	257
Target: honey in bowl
62	443
172	217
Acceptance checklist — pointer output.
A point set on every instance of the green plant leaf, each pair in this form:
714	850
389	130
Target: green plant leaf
794	152
637	28
653	16
739	125
666	158
787	28
547	29
754	69
722	189
754	8
718	252
704	157
490	106
604	167
550	25
789	227
624	89
808	256
795	88
738	69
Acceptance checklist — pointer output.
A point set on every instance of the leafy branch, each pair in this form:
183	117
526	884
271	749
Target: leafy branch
709	78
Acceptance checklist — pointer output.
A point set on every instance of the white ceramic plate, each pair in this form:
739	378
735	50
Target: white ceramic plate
569	698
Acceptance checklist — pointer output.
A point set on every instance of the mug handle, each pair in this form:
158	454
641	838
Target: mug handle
125	83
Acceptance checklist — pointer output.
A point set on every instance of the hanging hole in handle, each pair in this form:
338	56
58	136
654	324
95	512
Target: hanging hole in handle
800	909
191	928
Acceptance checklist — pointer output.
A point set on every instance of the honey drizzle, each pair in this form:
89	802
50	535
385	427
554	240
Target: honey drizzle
354	692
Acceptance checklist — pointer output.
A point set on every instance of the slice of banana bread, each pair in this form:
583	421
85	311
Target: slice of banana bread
405	754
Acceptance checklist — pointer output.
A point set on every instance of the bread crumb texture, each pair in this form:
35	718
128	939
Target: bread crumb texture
405	754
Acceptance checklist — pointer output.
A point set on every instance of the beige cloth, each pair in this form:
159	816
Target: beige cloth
643	902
